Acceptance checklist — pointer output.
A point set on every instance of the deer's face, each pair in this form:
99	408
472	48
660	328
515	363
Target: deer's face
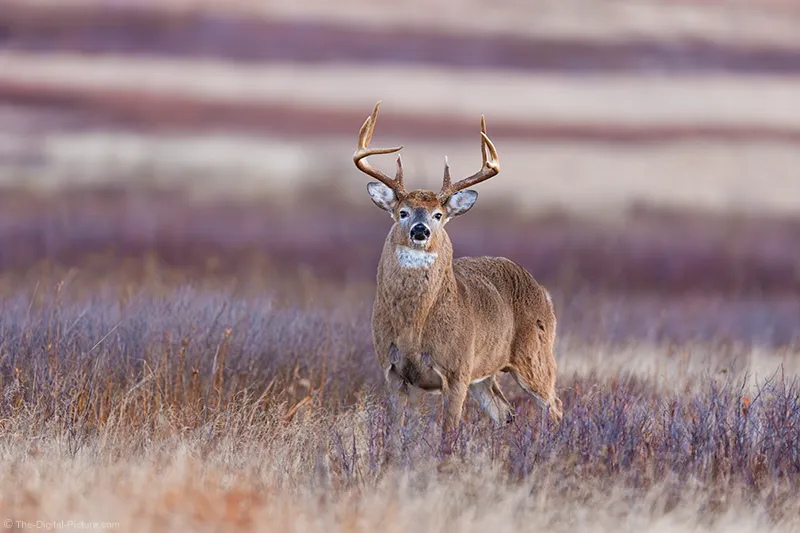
420	216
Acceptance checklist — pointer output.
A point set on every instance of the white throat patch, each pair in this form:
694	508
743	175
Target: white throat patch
411	258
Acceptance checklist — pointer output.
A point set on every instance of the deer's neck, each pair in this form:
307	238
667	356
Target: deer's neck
410	283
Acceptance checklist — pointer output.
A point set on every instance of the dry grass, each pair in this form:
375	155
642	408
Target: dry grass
602	180
669	114
591	145
772	22
168	365
709	99
203	409
188	385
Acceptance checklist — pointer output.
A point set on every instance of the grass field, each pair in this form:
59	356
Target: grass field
199	381
188	258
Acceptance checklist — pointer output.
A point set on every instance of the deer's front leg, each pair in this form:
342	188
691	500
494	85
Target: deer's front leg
398	396
397	386
454	393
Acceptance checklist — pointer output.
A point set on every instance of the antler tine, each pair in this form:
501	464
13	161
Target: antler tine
363	151
373	118
446	180
489	168
483	144
398	173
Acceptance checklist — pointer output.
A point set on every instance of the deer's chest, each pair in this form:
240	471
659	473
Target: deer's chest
410	300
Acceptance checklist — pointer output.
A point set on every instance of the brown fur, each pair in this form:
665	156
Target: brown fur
446	326
453	325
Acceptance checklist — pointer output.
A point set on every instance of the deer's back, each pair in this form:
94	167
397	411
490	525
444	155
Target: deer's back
485	279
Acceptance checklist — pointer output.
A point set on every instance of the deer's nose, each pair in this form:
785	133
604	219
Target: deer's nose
420	232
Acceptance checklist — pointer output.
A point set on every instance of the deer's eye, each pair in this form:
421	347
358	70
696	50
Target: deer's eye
403	214
438	216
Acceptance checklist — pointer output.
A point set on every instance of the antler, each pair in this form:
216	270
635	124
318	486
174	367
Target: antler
360	155
490	167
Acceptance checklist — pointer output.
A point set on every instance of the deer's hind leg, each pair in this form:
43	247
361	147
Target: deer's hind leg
490	399
534	368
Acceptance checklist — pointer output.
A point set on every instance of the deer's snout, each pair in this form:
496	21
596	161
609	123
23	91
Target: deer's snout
420	232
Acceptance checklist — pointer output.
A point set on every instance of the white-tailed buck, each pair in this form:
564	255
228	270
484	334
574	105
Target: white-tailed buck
452	325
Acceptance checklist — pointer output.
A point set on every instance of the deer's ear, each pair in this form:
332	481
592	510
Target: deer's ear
383	196
460	203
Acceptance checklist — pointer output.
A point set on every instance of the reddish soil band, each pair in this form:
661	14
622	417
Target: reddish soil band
142	110
131	30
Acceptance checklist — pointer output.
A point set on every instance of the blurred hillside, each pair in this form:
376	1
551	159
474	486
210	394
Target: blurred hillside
595	107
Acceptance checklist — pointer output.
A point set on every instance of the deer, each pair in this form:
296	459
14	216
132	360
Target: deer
451	326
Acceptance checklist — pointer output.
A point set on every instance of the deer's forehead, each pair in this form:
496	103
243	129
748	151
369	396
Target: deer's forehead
422	199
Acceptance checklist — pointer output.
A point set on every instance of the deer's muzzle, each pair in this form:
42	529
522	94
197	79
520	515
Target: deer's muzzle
420	232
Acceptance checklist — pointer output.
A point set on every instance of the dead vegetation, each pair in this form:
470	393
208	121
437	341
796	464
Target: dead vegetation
165	394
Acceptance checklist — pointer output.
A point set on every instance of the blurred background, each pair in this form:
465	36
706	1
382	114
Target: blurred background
650	150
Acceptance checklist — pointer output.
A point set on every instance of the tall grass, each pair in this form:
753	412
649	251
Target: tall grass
149	394
214	404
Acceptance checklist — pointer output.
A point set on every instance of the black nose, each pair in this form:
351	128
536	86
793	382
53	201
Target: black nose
420	232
